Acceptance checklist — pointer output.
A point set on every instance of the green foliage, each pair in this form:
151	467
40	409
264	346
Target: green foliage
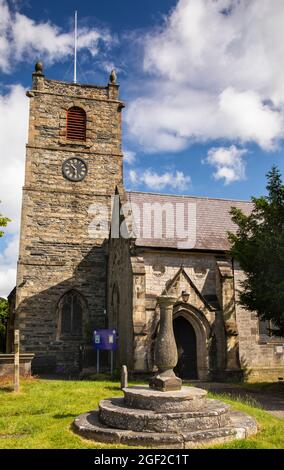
3	309
3	319
3	223
259	247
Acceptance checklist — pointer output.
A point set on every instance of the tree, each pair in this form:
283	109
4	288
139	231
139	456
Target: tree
3	223
3	320
258	245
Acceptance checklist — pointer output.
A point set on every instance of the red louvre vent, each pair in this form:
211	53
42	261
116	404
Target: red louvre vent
76	124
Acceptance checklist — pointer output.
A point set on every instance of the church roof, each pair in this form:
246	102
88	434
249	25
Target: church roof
213	221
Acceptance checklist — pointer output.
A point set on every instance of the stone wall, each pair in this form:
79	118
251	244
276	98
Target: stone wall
142	275
161	267
120	299
7	365
11	322
226	294
239	344
201	268
259	358
63	240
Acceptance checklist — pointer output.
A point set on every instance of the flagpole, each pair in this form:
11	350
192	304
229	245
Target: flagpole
75	49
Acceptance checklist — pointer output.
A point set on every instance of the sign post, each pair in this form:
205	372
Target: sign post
98	361
111	362
105	339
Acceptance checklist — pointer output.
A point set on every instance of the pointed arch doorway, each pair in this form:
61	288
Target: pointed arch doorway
187	351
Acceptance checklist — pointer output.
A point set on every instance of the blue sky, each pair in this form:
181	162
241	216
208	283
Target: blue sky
202	80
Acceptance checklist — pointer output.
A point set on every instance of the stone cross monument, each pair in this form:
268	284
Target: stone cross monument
165	353
164	414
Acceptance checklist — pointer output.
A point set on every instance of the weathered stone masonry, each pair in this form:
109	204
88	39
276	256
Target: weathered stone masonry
228	341
61	248
68	257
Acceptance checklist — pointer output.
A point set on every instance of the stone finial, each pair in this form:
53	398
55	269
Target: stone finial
113	77
185	296
39	68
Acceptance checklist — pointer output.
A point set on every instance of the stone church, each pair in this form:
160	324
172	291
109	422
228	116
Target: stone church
77	272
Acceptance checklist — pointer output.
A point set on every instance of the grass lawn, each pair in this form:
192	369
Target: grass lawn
41	414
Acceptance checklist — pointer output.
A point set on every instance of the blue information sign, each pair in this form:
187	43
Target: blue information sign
104	339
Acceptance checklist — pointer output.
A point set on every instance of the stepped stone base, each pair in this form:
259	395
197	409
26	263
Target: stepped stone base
178	419
89	426
115	413
144	398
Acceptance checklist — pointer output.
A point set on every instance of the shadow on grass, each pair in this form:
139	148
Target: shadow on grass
79	377
6	388
241	398
113	388
65	415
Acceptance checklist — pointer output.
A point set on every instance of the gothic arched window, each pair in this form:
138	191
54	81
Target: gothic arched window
76	124
71	308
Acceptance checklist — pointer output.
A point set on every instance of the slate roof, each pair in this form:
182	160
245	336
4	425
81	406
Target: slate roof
213	220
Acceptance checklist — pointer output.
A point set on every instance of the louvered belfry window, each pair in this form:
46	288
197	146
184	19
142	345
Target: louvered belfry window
76	124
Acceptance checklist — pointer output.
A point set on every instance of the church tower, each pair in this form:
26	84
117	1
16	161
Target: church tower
73	166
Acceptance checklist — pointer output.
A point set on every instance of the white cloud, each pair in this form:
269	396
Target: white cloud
129	156
21	37
7	280
4	43
13	135
133	177
212	75
152	180
228	162
8	262
250	119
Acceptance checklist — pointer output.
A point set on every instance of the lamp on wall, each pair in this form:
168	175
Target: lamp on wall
185	296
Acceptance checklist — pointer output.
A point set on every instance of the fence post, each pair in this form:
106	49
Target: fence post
17	361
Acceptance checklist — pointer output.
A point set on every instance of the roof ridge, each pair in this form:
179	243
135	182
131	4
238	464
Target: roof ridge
191	197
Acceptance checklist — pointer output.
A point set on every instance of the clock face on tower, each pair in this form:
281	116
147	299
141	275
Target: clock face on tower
74	169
